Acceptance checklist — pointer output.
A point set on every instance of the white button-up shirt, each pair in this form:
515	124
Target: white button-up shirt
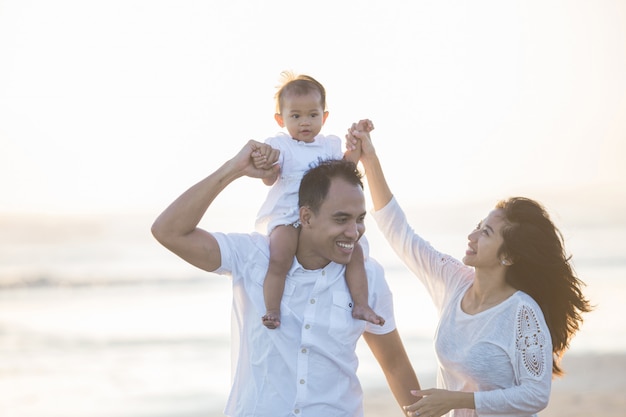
306	367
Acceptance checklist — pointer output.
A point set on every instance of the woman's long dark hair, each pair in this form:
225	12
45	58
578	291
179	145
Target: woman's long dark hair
541	268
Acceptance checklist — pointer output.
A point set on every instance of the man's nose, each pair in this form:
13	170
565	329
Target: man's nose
352	230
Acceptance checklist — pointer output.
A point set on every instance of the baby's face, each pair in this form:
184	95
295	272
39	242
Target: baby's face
303	115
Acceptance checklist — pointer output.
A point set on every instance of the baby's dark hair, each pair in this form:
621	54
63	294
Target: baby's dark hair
298	84
316	181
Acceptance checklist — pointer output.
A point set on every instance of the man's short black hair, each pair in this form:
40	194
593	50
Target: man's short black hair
316	181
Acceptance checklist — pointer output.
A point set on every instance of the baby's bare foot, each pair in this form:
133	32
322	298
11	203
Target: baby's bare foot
271	319
366	313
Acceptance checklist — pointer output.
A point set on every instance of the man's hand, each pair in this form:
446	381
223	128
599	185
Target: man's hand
177	227
437	402
263	155
257	160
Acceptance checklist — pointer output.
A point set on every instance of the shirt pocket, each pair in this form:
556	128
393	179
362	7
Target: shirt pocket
343	327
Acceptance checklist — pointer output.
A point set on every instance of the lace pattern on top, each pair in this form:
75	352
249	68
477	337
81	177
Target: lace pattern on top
530	341
444	259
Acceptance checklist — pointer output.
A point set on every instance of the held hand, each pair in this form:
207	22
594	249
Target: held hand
358	138
263	155
437	402
257	160
352	141
365	125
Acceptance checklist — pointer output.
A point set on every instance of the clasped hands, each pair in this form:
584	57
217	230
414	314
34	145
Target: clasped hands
257	160
437	402
260	159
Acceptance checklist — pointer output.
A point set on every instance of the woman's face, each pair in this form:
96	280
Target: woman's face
485	242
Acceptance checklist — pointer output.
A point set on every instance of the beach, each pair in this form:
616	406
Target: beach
98	320
162	350
109	110
593	386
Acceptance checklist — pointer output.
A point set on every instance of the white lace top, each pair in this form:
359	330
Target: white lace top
503	354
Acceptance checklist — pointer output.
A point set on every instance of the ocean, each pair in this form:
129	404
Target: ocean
96	319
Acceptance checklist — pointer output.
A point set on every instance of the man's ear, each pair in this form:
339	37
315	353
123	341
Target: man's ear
324	117
279	119
305	216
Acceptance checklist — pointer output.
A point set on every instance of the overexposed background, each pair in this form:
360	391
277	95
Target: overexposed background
110	109
119	105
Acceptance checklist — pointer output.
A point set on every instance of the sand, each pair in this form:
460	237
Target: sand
594	385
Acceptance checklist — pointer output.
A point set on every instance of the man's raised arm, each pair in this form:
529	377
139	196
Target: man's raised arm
176	228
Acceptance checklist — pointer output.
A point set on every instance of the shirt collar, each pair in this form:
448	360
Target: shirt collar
332	268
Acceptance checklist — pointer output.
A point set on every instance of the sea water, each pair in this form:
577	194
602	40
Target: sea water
96	320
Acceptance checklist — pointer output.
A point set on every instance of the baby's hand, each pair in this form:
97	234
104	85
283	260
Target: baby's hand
258	159
365	125
261	155
352	141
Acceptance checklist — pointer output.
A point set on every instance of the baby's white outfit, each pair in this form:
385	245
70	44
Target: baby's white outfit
296	157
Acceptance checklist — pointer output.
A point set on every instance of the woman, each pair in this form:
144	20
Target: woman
507	311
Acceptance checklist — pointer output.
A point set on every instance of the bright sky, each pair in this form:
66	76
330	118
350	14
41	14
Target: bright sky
120	105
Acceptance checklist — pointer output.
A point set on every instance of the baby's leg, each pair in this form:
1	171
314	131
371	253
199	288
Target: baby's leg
357	283
283	243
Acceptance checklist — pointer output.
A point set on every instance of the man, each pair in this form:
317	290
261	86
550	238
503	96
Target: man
308	367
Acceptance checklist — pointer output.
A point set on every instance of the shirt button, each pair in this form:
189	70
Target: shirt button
307	326
323	272
296	411
301	381
312	301
303	350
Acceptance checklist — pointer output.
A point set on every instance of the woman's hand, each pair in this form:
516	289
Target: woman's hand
437	402
358	137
